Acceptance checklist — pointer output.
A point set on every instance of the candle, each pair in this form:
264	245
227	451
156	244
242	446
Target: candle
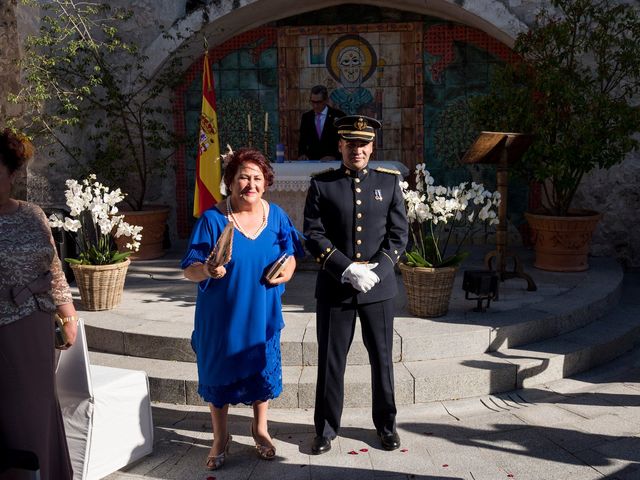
249	122
266	122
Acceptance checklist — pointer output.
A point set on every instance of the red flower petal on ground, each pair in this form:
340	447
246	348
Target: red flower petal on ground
353	452
364	449
510	475
445	465
404	450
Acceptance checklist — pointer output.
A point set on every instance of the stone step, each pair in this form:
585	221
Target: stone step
560	305
426	380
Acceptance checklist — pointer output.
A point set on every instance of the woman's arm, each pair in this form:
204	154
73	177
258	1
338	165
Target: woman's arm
68	313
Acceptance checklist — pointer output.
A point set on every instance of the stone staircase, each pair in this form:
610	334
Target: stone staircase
573	322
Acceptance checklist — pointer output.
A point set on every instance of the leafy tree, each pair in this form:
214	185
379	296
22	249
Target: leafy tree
86	91
579	71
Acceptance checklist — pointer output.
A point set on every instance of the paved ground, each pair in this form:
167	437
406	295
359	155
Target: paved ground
583	428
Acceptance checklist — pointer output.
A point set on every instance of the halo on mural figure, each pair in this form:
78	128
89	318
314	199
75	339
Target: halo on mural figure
351	60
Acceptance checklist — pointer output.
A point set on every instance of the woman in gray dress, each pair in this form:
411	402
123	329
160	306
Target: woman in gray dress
32	290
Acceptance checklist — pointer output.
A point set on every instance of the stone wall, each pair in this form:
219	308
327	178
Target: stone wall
9	71
613	192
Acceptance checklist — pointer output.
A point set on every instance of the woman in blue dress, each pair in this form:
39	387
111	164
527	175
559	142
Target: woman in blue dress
238	316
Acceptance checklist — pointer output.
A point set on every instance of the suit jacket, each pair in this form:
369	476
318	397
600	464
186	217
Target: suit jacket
327	144
350	217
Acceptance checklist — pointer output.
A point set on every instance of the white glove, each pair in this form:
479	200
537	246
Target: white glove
360	276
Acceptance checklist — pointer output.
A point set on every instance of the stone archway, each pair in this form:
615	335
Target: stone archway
220	21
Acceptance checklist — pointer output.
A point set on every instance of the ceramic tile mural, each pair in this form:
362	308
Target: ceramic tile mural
416	76
367	69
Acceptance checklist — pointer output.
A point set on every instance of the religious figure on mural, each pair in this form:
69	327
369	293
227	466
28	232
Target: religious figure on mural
351	61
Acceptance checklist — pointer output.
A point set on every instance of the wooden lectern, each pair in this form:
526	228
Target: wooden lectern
501	149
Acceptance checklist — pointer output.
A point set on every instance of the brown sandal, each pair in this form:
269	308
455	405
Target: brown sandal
265	452
214	462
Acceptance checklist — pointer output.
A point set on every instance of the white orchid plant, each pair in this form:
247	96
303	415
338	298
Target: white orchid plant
442	219
94	220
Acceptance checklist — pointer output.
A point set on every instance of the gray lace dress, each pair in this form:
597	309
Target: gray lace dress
31	285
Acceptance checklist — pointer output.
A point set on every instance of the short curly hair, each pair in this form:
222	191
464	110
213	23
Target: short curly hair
15	150
244	155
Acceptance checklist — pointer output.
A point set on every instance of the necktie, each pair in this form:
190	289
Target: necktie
319	124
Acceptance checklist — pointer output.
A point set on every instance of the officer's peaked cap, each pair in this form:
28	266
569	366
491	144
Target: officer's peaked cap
357	127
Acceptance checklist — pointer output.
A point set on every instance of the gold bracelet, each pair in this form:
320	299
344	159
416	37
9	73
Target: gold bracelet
62	321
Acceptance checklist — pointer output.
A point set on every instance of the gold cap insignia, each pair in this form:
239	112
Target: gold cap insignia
360	124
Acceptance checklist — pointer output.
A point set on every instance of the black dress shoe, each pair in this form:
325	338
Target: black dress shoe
390	441
320	445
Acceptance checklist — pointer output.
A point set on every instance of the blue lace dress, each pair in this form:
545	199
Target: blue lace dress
238	318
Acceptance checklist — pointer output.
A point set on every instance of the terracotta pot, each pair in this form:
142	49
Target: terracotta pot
101	286
428	289
153	221
562	244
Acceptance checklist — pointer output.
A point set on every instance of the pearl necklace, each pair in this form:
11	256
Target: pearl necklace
232	217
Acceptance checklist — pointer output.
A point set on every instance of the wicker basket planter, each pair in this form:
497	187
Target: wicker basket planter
101	286
428	289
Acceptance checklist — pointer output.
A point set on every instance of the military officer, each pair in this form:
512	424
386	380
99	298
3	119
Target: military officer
356	227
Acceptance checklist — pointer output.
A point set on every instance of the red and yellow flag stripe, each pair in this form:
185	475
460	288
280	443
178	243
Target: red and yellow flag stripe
208	169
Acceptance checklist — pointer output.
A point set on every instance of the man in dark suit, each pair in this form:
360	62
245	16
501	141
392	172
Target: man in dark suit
356	227
318	135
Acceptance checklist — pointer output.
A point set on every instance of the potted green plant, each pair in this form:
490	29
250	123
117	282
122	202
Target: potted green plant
579	70
441	222
100	267
85	90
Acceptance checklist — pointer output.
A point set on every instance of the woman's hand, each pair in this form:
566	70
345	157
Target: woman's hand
215	273
70	331
70	327
287	272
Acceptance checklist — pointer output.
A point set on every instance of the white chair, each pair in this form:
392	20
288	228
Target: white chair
106	411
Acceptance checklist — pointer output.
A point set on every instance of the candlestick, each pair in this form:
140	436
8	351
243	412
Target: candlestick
266	122
249	122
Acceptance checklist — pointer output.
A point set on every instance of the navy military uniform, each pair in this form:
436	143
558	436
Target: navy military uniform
355	216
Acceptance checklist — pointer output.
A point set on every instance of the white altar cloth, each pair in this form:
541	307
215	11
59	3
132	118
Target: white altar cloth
292	179
294	176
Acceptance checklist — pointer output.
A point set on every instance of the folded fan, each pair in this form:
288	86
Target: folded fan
221	253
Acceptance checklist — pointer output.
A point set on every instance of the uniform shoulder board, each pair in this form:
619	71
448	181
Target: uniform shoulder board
315	174
387	170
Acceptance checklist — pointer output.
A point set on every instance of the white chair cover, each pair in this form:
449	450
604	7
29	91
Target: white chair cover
106	411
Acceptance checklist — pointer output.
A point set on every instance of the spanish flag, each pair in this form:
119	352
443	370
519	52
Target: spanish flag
208	171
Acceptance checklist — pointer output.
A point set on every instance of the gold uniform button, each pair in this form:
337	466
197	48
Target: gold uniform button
359	215
359	228
395	251
322	255
364	171
318	260
358	242
357	180
358	255
328	249
358	202
358	189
